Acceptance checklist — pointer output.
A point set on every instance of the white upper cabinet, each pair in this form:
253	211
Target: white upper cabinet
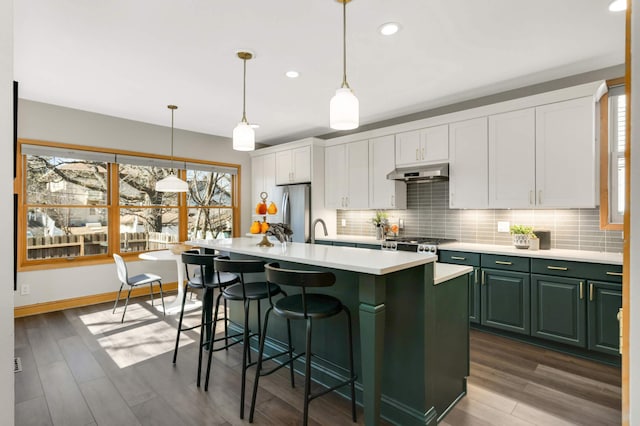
293	165
384	193
430	145
512	162
347	176
565	154
468	165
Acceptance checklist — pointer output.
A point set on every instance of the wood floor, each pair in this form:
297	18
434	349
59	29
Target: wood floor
83	367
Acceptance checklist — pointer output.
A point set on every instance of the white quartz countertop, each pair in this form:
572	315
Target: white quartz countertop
557	254
349	239
376	262
447	271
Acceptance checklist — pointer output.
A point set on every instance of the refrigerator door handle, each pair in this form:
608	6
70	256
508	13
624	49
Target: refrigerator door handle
285	208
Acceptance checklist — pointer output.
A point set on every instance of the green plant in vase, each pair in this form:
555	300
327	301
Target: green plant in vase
521	235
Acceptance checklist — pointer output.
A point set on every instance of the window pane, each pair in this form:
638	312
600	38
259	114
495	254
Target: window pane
137	186
66	181
617	144
144	229
210	223
66	232
208	188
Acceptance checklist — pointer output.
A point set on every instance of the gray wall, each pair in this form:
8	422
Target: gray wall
6	213
428	214
57	124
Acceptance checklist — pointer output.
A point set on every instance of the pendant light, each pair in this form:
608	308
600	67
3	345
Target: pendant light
172	183
344	108
244	137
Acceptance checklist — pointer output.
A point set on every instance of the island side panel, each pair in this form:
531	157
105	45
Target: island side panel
372	313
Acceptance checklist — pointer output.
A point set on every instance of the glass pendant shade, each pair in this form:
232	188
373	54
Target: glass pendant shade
171	184
344	110
244	137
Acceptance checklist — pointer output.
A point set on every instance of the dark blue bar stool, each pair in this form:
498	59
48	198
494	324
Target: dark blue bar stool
308	307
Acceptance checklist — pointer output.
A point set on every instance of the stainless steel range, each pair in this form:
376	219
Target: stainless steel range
414	244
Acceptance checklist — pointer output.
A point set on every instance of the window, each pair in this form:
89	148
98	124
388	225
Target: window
82	205
612	161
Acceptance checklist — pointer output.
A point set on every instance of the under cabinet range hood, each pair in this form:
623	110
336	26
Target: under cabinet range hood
429	173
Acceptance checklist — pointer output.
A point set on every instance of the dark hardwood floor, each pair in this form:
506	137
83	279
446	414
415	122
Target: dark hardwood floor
83	367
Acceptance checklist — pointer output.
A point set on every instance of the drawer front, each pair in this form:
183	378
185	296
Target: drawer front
324	242
368	246
459	257
507	263
343	244
584	270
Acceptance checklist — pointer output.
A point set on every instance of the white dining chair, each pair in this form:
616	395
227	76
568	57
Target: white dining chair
135	281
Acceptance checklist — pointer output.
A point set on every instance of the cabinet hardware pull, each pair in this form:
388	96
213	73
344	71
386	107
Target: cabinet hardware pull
423	153
483	277
581	290
500	262
540	197
475	278
590	292
458	258
557	268
393	201
417	154
532	199
615	274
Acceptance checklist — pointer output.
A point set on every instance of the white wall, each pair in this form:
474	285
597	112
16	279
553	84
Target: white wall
57	124
634	338
6	212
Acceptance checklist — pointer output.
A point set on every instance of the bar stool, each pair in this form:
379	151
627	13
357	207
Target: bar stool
245	292
203	277
309	307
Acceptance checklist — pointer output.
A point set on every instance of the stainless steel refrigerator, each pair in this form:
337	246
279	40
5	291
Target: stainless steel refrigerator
296	210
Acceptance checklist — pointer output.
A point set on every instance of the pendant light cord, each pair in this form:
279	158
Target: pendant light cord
344	44
244	90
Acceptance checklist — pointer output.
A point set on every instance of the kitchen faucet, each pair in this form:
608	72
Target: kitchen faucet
313	229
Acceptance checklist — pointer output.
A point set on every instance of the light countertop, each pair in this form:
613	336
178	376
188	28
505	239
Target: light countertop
557	254
446	271
376	262
349	239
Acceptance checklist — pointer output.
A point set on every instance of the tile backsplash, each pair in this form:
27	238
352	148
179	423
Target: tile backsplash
428	214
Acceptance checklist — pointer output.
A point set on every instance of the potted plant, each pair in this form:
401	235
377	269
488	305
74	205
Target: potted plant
380	221
521	235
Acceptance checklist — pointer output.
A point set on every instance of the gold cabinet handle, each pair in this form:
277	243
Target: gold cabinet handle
500	262
590	292
475	276
581	290
615	274
557	268
532	199
417	154
540	197
483	277
458	258
423	153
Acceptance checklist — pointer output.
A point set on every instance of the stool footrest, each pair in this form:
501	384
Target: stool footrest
332	388
284	363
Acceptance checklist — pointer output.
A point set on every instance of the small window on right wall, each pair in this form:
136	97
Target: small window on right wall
613	114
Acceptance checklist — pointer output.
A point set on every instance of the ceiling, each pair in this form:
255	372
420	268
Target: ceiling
131	59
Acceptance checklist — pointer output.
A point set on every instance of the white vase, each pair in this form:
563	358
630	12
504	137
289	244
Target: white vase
521	241
379	232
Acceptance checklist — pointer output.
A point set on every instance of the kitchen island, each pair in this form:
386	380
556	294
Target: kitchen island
411	340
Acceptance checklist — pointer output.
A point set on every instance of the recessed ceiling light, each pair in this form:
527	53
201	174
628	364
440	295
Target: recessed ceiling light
389	28
618	5
292	74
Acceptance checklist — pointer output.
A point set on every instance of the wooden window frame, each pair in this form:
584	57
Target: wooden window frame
113	207
604	160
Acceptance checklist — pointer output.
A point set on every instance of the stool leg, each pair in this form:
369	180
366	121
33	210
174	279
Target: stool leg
151	292
213	334
162	298
263	335
117	298
126	302
307	373
203	330
245	355
184	299
352	370
293	383
226	324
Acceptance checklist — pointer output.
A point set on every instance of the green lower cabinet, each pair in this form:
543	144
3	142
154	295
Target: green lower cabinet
604	301
505	300
324	242
343	244
558	309
474	296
